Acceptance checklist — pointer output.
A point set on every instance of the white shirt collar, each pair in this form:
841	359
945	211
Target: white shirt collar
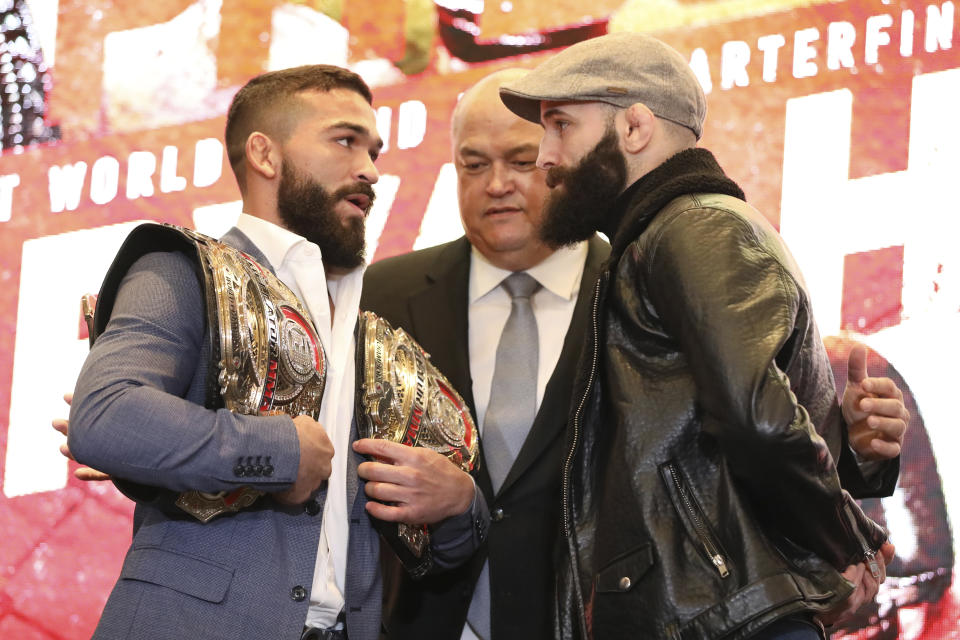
559	273
273	240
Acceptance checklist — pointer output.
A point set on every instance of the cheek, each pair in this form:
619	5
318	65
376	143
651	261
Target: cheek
471	190
535	193
469	199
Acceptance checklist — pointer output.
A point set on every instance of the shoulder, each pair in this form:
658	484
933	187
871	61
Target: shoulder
420	261
163	286
598	249
410	271
699	223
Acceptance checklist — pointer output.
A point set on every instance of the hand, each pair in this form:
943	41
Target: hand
86	474
420	485
874	410
865	586
316	461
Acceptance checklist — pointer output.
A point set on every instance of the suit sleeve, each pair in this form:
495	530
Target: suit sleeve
455	539
734	310
130	417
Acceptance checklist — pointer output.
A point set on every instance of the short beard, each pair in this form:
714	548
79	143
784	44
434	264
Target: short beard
307	209
577	210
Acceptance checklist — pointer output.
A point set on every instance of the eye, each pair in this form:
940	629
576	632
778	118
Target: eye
474	167
524	165
345	141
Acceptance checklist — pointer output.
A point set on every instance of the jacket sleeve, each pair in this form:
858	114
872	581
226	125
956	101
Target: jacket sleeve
130	417
737	314
455	539
865	478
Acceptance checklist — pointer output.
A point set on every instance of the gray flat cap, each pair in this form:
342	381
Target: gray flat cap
619	69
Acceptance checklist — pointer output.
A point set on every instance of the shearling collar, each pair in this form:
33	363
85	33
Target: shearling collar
692	170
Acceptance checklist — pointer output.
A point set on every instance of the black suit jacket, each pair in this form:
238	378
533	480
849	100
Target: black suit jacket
425	293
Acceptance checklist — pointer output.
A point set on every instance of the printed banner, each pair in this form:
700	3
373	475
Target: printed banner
838	118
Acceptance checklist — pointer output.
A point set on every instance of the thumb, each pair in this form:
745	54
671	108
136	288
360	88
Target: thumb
857	364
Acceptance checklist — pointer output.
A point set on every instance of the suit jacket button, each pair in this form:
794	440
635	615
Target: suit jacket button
298	594
312	508
497	515
238	470
625	583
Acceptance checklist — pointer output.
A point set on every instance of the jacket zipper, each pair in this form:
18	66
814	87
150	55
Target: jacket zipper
568	462
869	555
703	534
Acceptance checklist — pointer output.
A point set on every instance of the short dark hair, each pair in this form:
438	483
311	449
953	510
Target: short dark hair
264	104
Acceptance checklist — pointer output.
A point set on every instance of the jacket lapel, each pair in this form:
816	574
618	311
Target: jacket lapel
239	240
438	315
552	416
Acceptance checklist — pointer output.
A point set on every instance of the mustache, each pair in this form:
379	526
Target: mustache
355	188
557	175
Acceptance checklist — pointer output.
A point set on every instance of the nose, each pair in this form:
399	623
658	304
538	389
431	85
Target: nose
547	157
367	171
500	183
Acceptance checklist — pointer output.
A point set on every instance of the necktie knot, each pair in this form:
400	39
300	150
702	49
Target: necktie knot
520	284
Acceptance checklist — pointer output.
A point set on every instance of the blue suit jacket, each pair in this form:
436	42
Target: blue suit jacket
138	414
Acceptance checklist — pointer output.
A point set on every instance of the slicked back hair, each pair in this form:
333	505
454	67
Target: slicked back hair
268	103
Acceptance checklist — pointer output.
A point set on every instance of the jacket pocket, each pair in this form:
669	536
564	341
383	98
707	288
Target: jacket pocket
624	572
186	574
693	518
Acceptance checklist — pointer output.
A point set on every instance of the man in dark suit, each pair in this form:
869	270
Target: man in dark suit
302	562
437	296
447	298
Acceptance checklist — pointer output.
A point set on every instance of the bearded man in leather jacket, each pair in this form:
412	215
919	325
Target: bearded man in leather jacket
701	492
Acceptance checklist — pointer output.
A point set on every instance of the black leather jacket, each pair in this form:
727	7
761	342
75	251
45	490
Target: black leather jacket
699	499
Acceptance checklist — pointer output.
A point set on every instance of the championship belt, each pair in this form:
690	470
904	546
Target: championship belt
402	397
266	357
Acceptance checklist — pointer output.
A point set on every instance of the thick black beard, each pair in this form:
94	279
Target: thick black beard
307	209
576	210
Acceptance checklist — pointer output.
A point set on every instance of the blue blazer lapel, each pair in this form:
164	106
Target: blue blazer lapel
239	240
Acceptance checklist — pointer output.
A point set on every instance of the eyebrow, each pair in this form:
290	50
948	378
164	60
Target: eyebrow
553	111
358	128
522	148
469	151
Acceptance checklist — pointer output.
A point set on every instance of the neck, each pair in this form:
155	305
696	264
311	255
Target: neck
261	208
519	260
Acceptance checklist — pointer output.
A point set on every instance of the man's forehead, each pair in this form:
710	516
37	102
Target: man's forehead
550	109
343	108
502	141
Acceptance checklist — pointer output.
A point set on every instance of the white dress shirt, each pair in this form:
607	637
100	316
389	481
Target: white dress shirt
299	265
489	308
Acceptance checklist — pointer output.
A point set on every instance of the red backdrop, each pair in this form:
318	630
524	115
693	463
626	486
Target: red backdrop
839	119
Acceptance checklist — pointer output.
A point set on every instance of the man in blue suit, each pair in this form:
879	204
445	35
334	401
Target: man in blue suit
302	561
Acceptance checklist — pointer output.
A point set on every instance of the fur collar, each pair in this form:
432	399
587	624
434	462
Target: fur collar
692	170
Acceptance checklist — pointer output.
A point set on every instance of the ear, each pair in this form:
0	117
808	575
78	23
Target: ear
262	155
640	123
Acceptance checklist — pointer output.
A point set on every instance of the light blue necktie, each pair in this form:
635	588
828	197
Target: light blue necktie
510	412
